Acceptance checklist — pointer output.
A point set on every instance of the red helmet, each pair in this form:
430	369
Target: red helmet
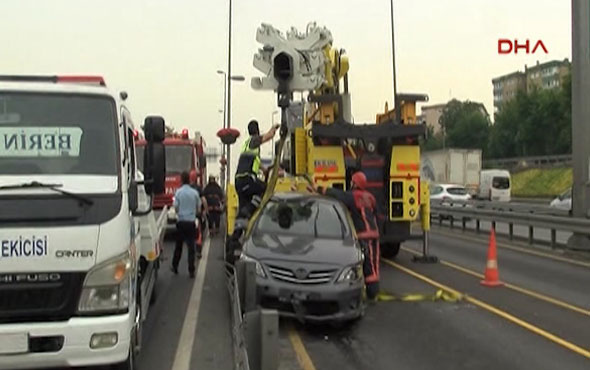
359	180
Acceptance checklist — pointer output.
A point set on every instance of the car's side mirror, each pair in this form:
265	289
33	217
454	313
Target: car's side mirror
154	155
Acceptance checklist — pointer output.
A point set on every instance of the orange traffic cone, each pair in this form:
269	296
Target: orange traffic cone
491	274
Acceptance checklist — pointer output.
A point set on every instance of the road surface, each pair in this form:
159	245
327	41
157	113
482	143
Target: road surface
539	320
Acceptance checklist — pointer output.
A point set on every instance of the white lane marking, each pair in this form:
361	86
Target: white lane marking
182	360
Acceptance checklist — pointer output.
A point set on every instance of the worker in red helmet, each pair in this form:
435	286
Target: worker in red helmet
362	207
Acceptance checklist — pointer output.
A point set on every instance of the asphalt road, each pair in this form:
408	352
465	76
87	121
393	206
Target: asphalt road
489	328
462	335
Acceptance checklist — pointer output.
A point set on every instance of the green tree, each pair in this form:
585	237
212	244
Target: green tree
433	141
466	125
537	123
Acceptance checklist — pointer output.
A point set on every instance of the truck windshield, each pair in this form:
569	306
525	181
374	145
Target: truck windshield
178	158
48	134
501	183
303	217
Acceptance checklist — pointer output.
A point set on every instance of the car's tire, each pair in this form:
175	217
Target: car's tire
390	250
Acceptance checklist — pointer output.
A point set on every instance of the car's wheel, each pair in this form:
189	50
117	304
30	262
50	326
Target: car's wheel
390	250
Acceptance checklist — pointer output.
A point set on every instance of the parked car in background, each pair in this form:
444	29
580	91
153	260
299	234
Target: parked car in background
563	202
308	261
495	185
449	192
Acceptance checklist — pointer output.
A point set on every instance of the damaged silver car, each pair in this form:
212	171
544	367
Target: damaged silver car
308	262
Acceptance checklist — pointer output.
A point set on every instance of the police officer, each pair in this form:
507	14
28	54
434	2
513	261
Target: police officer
248	186
362	207
187	202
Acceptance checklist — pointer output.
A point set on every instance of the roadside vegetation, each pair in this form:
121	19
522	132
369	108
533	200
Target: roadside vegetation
541	183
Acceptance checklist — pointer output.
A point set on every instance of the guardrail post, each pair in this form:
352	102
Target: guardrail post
511	231
247	284
553	238
269	331
531	234
262	339
477	226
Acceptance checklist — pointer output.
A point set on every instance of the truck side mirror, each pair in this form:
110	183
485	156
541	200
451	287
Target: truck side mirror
154	155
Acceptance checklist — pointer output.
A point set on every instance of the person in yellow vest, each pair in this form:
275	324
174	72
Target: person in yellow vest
248	186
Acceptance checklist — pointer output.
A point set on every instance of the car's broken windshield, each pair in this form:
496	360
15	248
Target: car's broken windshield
304	218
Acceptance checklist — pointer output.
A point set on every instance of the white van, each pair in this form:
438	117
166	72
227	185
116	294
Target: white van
495	185
79	244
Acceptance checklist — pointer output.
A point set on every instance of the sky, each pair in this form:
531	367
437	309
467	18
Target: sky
165	53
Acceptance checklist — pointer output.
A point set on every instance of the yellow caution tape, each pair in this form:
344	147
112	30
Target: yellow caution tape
440	295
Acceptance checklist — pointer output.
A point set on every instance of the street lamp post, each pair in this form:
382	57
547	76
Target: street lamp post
228	122
227	79
395	99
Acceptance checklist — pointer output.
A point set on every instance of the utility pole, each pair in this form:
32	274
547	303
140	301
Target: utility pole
580	117
395	99
228	166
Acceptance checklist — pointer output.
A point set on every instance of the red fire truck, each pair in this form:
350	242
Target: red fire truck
182	153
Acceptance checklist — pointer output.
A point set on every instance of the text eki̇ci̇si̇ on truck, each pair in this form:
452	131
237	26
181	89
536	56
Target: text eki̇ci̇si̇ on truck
79	244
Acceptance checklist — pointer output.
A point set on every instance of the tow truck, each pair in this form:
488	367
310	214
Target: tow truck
320	144
79	242
182	153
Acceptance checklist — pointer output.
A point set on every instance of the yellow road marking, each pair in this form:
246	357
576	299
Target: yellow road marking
302	355
517	249
505	315
511	286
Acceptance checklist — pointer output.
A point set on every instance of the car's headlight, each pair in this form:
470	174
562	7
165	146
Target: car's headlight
351	274
107	286
259	270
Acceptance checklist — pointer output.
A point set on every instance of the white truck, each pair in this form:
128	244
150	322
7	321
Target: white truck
452	166
79	244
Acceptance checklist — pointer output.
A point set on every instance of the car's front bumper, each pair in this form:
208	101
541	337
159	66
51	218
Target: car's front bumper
75	351
319	303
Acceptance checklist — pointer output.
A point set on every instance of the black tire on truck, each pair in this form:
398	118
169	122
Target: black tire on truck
135	344
390	250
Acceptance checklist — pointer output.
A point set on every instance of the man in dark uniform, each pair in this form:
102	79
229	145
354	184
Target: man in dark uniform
362	205
214	196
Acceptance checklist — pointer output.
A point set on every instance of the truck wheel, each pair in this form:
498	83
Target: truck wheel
390	250
129	363
154	296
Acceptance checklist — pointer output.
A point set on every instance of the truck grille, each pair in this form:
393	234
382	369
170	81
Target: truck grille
32	299
301	276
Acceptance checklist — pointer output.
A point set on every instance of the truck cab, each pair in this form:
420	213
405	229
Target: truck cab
182	154
79	244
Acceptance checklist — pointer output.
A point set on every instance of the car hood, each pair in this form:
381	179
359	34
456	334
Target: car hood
307	249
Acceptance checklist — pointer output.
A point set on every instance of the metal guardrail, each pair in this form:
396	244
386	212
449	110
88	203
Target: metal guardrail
536	161
507	206
533	217
239	342
255	331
